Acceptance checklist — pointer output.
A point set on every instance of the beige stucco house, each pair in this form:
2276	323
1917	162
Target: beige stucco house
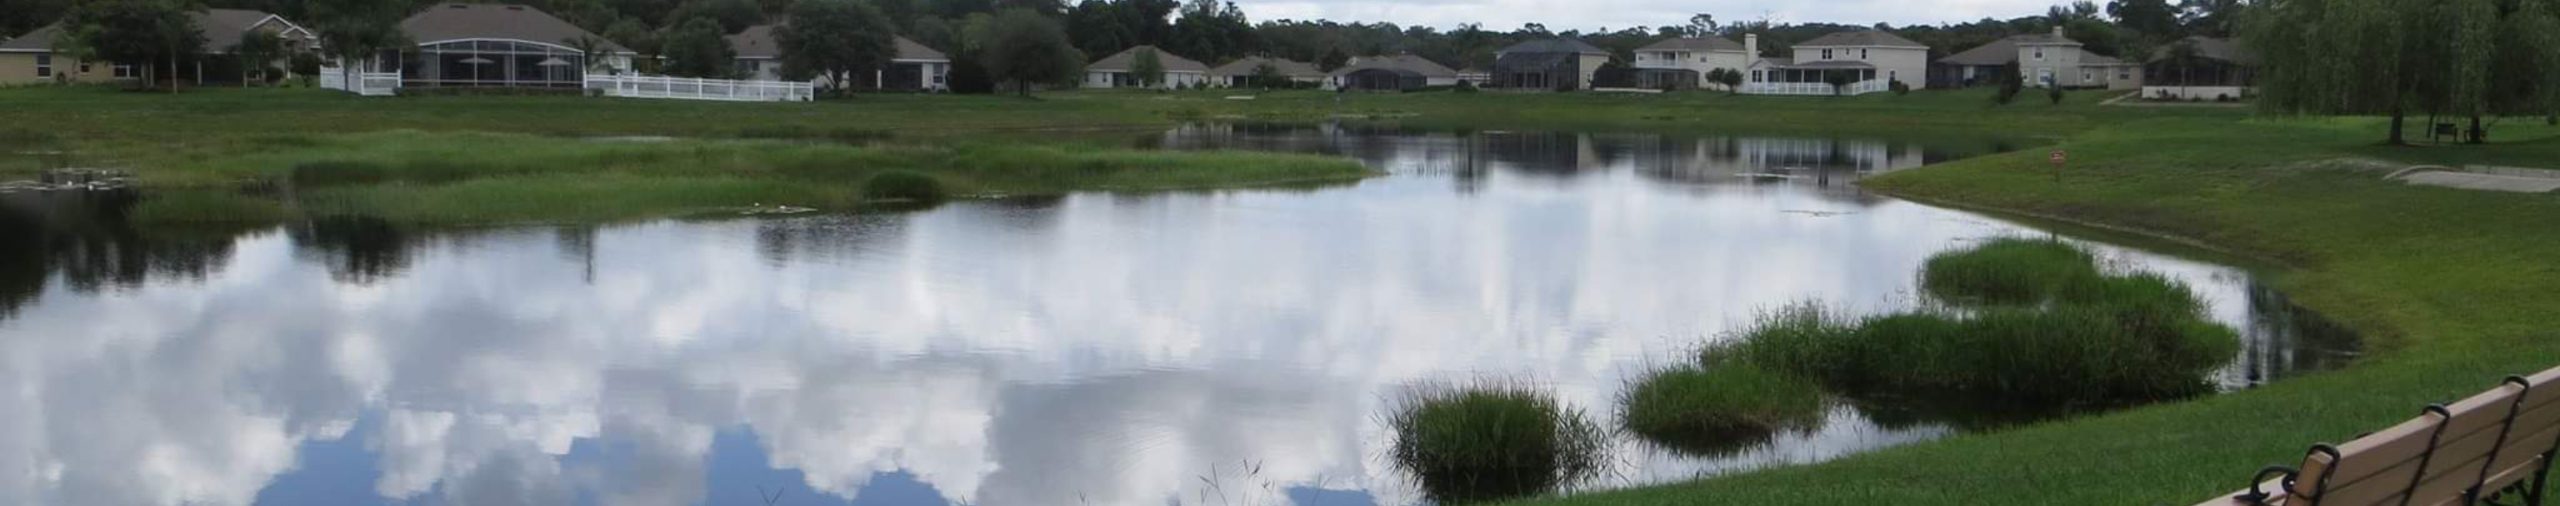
1241	71
915	67
1117	70
2043	60
1683	63
1871	60
32	58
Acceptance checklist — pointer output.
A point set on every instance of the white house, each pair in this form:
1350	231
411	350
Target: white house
2042	60
1117	71
916	67
1242	71
1870	60
1682	63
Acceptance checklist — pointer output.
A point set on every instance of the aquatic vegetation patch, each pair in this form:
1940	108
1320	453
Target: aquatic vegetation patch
2008	271
1720	408
1490	442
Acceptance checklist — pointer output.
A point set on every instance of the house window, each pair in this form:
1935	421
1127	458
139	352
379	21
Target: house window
1862	54
1756	76
123	71
2084	77
44	65
84	68
2039	54
2124	75
1826	54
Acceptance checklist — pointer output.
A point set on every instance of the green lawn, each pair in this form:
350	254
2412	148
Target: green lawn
2451	289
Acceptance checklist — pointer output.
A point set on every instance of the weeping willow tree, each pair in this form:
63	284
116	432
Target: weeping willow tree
2441	58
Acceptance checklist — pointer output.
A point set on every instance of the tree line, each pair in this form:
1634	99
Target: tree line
2460	62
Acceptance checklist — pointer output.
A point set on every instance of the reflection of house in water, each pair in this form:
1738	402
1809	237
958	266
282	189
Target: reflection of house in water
1811	161
1688	159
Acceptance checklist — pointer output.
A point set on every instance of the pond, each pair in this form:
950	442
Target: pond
1223	347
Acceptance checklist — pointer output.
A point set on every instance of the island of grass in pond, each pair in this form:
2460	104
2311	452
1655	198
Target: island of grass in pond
469	178
2024	330
1492	442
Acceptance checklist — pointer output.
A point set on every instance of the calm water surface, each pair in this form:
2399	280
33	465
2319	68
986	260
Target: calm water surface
1230	347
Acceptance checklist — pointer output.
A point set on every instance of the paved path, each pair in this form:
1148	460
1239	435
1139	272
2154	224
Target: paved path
2483	178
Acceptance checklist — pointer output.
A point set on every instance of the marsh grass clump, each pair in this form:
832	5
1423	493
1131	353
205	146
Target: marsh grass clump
903	186
2012	271
1719	409
2034	327
1491	442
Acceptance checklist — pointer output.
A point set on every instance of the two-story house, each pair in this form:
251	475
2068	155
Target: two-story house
1867	61
1683	63
2042	60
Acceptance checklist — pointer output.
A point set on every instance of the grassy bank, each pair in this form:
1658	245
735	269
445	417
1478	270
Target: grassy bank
2452	290
483	178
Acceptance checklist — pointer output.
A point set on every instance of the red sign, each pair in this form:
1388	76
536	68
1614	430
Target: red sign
2056	157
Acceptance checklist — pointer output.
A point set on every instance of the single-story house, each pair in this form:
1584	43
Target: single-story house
1547	65
916	67
2042	59
493	45
1242	71
1389	73
1869	60
2217	69
31	58
1682	63
1117	71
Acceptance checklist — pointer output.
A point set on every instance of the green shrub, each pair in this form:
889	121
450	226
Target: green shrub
1483	443
2007	271
1720	409
903	186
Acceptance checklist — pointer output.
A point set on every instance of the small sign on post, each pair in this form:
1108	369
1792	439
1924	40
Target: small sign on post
2057	158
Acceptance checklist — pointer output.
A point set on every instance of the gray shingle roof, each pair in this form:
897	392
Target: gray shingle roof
2212	48
1129	58
2005	51
1287	67
758	43
1694	44
1871	38
1403	62
220	28
455	21
1554	46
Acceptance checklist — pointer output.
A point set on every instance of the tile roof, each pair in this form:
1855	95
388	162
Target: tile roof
758	43
221	29
1554	46
1402	62
1874	38
1693	44
1288	68
1128	58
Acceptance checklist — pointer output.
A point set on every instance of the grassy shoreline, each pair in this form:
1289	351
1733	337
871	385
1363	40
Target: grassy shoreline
2451	289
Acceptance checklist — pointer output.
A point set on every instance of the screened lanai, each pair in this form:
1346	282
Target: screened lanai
483	62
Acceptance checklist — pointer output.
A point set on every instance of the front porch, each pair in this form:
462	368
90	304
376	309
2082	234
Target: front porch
1814	79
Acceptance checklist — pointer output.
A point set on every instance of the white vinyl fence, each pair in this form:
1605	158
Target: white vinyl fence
1823	89
371	84
687	88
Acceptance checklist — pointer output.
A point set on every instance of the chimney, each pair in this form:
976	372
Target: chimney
1750	47
2057	31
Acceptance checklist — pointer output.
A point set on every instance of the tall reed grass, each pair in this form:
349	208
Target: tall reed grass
1719	409
1493	441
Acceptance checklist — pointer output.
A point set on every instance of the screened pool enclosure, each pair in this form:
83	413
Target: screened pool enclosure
485	62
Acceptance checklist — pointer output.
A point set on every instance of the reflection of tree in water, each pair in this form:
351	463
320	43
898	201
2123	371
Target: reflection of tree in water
356	249
2284	339
84	238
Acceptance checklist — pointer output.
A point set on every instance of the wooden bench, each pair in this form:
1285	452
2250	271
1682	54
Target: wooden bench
2491	448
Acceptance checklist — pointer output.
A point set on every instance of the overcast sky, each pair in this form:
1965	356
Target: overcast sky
1561	15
